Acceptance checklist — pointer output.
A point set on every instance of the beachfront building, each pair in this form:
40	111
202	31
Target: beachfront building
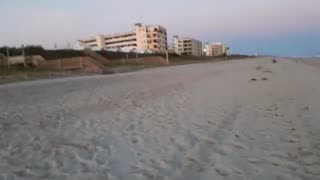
187	46
142	38
216	49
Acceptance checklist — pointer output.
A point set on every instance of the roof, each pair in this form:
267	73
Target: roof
187	38
117	34
107	36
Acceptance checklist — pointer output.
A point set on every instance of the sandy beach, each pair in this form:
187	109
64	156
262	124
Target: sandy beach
246	119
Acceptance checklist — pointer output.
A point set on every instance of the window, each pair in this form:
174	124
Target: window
155	46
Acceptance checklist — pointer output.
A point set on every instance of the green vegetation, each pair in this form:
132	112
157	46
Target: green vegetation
38	50
131	55
19	73
29	50
4	70
60	54
69	53
119	62
123	55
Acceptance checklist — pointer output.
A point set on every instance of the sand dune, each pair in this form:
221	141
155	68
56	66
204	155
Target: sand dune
245	119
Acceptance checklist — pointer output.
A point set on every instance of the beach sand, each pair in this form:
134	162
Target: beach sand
235	120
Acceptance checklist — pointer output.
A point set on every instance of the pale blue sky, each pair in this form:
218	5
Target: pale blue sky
279	27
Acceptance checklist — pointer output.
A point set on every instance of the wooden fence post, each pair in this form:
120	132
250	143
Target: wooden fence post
136	57
81	63
24	56
8	57
167	56
60	63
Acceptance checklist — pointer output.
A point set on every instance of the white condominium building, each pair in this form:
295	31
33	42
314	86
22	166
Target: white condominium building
216	49
187	46
151	37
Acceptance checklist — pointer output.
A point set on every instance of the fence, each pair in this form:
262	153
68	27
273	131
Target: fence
3	60
151	60
83	63
96	56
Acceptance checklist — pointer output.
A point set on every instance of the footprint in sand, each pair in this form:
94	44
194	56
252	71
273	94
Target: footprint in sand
136	140
307	157
181	148
238	146
181	143
306	108
252	80
211	123
248	137
222	171
283	160
309	160
259	68
313	169
131	127
267	71
288	121
290	139
237	171
207	140
255	161
105	100
305	152
159	164
223	150
286	177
